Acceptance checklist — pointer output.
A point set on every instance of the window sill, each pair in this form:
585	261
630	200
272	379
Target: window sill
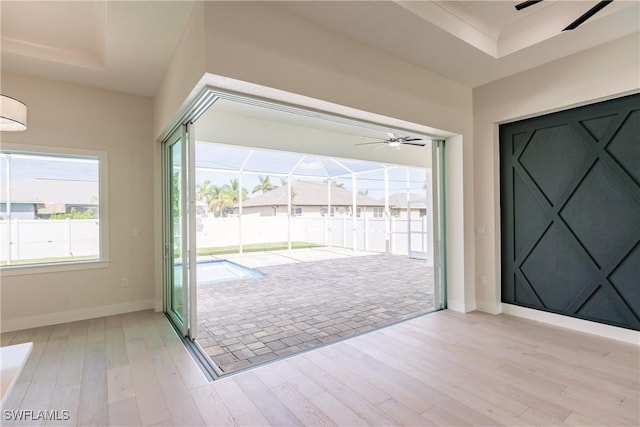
18	270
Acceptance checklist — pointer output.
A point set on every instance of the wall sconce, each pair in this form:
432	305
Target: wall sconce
13	114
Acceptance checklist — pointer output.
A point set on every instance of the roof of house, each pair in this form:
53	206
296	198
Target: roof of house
52	191
306	193
399	200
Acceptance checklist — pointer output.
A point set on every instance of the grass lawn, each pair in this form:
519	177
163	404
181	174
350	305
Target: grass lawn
258	247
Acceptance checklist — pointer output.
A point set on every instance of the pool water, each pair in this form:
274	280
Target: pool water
223	270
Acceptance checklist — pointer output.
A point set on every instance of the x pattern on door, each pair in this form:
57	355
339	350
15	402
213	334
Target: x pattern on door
570	186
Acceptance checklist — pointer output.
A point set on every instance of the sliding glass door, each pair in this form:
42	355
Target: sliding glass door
439	234
180	272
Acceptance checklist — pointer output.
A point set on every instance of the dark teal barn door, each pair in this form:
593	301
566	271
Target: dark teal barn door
570	209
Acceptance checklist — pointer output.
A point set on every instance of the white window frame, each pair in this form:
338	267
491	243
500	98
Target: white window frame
103	166
378	212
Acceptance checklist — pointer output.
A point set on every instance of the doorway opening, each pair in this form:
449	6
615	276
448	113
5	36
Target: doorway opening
340	244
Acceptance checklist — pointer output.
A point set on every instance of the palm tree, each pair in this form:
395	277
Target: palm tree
364	192
338	184
229	196
234	190
206	192
226	202
264	186
218	201
212	195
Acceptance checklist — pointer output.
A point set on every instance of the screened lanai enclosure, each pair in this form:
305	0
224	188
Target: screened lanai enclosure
255	198
307	229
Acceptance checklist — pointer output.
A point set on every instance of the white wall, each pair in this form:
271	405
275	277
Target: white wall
257	48
72	116
183	73
258	43
606	71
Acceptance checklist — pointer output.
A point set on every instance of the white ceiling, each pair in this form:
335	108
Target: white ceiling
472	42
235	123
127	45
498	29
119	45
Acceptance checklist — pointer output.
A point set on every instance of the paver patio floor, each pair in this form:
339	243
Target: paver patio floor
299	305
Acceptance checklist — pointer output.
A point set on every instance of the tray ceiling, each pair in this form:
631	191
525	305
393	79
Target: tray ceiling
127	45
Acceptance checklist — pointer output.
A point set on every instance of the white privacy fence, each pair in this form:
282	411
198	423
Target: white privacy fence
23	239
40	239
370	233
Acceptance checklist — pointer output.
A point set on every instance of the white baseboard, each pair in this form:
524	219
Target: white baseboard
490	308
460	306
74	315
594	328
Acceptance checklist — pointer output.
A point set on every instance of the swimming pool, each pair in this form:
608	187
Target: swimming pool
221	271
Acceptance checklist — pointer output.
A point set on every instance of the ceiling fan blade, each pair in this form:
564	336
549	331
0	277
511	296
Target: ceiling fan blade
588	14
526	4
418	144
411	139
379	146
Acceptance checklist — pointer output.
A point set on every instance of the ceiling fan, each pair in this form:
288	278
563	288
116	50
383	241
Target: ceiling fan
575	24
394	141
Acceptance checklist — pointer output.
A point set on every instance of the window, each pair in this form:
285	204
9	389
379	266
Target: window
296	211
51	207
378	212
358	212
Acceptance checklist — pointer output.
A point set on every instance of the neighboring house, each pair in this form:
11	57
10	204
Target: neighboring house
40	198
310	199
398	205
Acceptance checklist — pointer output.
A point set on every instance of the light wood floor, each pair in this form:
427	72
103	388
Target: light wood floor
441	369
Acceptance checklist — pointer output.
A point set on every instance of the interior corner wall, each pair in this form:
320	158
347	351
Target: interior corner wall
606	71
73	116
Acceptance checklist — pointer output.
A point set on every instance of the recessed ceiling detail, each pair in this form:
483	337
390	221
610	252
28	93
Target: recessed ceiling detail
71	33
117	45
127	45
497	28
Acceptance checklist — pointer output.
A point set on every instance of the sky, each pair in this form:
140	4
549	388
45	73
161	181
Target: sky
49	167
220	163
